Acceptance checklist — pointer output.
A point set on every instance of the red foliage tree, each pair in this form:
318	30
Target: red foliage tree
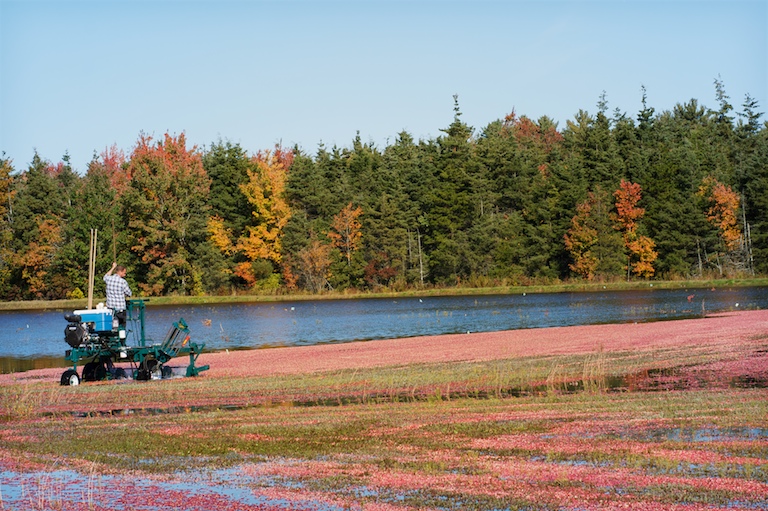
113	162
166	208
627	211
529	134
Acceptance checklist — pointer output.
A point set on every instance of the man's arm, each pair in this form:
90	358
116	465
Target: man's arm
114	265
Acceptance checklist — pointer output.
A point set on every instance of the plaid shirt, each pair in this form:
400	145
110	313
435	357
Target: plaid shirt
117	290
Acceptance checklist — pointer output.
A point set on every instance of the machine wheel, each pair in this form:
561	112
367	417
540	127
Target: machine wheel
119	374
155	369
70	378
141	374
149	370
94	371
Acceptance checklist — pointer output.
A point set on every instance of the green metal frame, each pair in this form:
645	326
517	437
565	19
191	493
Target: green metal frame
148	357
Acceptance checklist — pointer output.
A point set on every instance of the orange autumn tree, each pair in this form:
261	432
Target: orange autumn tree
6	232
315	264
265	192
723	208
36	261
641	253
346	231
642	247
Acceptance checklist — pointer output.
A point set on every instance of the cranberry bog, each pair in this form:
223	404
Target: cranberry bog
659	416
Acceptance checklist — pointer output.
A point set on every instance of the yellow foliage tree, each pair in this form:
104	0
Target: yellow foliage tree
220	235
643	247
580	239
265	191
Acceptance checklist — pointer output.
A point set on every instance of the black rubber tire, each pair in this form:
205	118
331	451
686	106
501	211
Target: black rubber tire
149	370
155	369
94	371
89	371
70	378
119	374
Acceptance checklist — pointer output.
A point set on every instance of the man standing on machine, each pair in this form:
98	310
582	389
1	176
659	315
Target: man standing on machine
117	290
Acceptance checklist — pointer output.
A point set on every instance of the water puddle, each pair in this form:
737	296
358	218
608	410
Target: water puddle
745	434
221	489
238	488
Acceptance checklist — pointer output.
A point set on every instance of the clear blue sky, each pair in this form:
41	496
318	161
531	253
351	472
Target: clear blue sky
80	76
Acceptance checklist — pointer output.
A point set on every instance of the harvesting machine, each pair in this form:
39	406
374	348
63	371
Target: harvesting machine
98	338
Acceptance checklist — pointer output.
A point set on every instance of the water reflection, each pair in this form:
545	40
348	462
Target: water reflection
37	337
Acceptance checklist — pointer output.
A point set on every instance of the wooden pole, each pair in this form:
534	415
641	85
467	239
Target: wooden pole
92	267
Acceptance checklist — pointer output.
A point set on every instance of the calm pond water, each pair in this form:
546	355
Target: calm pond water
33	339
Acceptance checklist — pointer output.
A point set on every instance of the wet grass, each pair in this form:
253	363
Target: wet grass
309	432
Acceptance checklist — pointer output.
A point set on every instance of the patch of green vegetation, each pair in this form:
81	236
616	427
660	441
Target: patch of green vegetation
432	499
308	433
684	495
352	488
490	428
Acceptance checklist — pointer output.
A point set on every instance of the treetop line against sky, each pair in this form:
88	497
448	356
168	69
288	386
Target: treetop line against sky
80	76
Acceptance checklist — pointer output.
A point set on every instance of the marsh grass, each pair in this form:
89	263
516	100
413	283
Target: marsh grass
597	372
593	376
307	432
24	400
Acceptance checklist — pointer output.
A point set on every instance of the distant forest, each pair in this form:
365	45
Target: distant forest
610	196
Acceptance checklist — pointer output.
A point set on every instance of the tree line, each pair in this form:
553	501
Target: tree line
674	194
